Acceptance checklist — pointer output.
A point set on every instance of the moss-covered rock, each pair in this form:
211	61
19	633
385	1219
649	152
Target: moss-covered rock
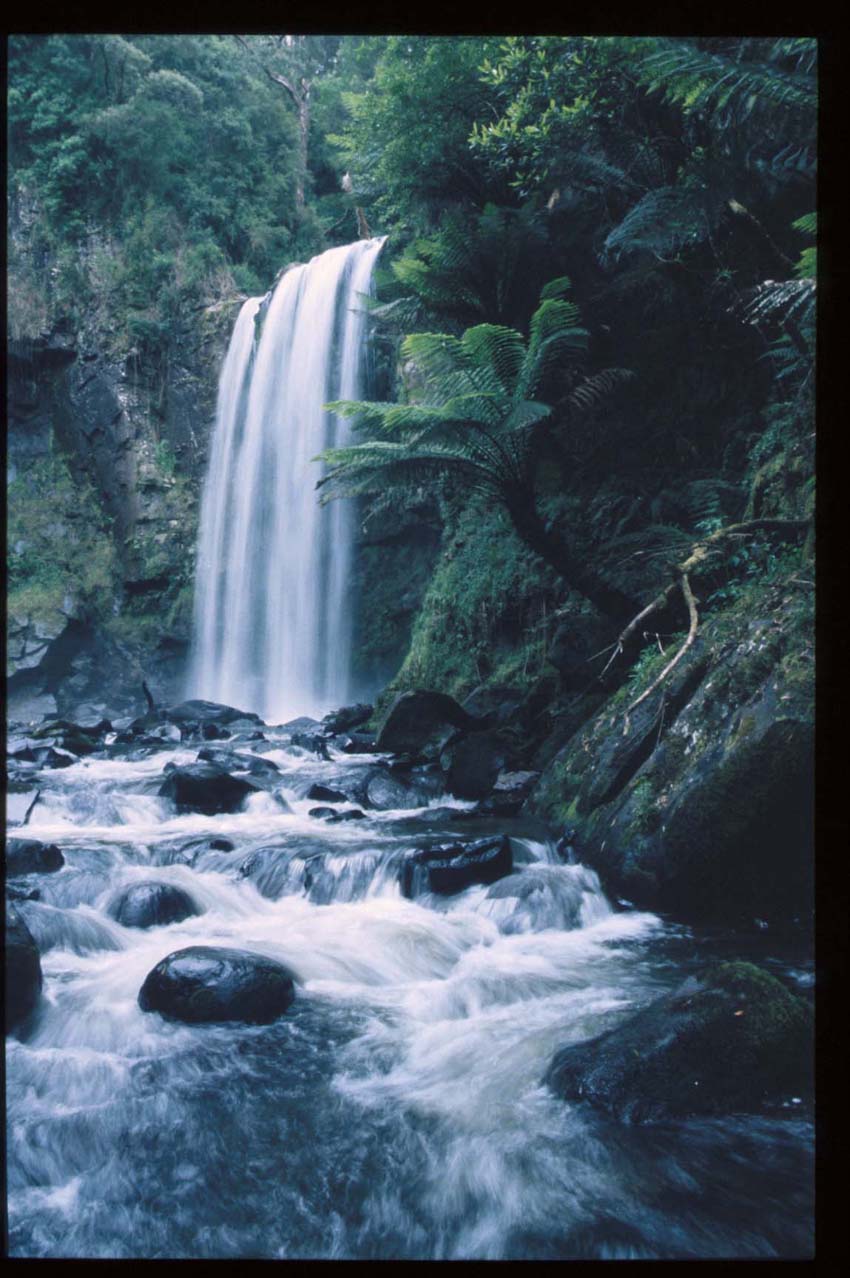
731	1040
700	801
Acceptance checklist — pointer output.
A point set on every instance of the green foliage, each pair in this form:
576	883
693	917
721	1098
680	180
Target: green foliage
478	265
487	613
182	150
476	414
405	140
59	542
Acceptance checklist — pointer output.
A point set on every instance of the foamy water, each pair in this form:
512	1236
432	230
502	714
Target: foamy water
396	1110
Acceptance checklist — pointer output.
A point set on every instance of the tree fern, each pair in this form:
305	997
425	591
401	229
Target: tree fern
696	78
476	416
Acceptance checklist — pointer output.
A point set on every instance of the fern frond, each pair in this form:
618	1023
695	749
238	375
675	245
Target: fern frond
696	78
593	391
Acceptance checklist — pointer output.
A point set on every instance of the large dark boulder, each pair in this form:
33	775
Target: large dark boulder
23	970
416	719
726	1042
347	717
30	856
152	905
202	712
206	984
473	763
449	869
205	787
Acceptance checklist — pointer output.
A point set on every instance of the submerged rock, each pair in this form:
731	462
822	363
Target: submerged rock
205	787
417	718
450	869
23	970
30	856
727	1042
207	984
152	905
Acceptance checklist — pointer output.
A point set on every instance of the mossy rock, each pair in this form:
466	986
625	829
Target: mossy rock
730	1041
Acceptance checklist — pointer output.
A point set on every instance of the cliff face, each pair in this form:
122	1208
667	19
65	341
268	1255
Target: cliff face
107	445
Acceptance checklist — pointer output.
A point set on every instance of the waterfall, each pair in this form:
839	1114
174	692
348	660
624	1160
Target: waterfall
272	628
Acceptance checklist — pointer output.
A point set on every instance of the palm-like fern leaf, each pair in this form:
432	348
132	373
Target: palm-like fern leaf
698	78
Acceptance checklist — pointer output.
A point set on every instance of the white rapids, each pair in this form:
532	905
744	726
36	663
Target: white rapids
396	1110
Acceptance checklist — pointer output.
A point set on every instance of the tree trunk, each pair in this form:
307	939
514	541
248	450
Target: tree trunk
526	519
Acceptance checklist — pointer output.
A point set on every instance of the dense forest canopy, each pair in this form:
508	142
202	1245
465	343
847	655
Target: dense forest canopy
669	182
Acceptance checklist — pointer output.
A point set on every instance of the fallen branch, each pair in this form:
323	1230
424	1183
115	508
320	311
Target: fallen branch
695	559
689	640
28	812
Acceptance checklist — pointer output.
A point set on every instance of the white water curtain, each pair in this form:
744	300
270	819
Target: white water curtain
272	614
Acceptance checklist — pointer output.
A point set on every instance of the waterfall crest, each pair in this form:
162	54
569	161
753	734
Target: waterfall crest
272	628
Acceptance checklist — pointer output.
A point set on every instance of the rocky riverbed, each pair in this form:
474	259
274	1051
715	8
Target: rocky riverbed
295	991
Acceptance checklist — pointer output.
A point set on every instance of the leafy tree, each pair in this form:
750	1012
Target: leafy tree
405	141
477	417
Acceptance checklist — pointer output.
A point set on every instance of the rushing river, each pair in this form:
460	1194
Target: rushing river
396	1109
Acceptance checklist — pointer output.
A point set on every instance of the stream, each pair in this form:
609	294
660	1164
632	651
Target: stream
396	1109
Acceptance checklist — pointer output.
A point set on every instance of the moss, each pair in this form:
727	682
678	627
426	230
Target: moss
59	543
487	613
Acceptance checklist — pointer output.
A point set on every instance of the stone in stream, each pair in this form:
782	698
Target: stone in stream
152	904
209	984
314	740
31	856
473	762
724	1043
415	719
23	970
348	717
205	787
325	794
452	868
509	793
202	712
333	817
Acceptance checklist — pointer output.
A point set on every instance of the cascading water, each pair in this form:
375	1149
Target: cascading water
272	616
396	1109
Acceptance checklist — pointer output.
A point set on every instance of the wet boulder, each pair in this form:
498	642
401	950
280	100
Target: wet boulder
417	719
473	763
497	703
509	793
352	814
202	712
727	1042
326	794
152	904
30	856
449	869
205	787
205	983
23	970
347	717
385	791
313	740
